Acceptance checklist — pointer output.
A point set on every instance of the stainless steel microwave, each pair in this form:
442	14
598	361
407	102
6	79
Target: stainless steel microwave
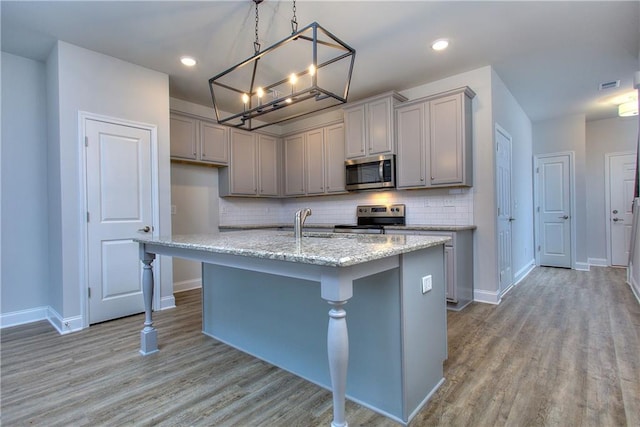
377	172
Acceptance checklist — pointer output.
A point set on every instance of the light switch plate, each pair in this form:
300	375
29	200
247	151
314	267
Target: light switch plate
426	284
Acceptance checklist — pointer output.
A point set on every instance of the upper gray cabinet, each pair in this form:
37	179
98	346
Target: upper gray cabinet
369	126
198	140
253	167
434	137
314	162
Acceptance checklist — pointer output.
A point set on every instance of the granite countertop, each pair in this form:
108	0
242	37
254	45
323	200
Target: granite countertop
328	249
409	227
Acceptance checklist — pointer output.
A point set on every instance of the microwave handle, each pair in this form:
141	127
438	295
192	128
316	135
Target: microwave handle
381	170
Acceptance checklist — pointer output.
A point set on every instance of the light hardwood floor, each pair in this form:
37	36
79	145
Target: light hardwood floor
562	349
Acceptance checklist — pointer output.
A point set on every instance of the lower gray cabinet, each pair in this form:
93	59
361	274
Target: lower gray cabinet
458	256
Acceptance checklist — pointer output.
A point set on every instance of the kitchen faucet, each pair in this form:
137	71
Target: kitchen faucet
301	215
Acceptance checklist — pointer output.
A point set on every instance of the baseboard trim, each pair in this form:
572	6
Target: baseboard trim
598	262
582	266
635	287
524	272
489	297
22	317
167	302
187	285
64	325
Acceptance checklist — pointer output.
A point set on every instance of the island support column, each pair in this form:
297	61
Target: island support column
149	334
337	290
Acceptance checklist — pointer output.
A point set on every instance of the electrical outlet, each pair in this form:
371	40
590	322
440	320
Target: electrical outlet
174	209
426	284
449	201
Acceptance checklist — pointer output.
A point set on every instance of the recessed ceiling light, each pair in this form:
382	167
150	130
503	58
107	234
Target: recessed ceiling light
440	44
188	61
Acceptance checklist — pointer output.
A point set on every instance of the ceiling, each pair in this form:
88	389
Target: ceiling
552	55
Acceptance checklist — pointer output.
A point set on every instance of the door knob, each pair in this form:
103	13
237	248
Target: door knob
617	219
564	217
615	211
145	229
512	219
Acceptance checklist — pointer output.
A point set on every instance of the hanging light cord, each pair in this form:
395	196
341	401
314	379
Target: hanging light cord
294	20
256	44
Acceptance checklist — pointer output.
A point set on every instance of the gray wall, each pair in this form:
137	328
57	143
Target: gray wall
561	135
81	80
194	194
509	115
24	185
603	136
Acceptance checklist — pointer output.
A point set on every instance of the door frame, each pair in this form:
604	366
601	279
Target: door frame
607	197
83	259
499	129
536	201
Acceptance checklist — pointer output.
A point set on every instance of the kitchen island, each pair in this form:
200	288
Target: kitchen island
263	292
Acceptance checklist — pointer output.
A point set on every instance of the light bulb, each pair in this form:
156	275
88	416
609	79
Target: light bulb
293	78
288	100
245	98
312	70
260	92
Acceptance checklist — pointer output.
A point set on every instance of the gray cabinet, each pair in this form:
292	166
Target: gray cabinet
294	165
253	168
434	137
314	162
198	140
458	258
369	126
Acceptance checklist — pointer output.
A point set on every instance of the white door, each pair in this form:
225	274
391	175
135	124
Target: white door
503	177
119	207
622	169
554	208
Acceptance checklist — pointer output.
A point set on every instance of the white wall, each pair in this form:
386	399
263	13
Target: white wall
619	134
509	115
194	198
24	188
82	80
561	135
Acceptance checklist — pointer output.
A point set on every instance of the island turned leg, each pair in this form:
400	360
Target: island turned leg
148	335
338	350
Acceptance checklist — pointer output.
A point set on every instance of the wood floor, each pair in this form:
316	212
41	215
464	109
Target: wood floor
562	349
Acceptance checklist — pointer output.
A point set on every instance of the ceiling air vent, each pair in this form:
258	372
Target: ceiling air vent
609	85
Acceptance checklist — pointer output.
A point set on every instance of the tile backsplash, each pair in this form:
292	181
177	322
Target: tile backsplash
432	207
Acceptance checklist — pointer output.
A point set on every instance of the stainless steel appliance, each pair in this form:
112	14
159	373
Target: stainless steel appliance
370	173
372	219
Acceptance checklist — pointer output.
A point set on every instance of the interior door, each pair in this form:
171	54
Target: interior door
119	207
622	169
554	208
503	177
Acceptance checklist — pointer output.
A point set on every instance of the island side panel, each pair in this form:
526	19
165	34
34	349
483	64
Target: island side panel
424	325
284	320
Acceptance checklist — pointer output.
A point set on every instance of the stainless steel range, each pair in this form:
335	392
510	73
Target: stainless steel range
372	219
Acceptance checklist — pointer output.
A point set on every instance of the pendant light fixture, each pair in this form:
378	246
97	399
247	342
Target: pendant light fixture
306	72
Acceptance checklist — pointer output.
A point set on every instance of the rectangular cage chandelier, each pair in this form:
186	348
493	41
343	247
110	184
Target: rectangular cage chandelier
308	71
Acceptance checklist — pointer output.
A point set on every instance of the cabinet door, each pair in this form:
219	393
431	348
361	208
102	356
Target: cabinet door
380	127
213	143
355	131
334	159
243	163
412	145
450	271
267	166
294	165
182	134
314	164
446	136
